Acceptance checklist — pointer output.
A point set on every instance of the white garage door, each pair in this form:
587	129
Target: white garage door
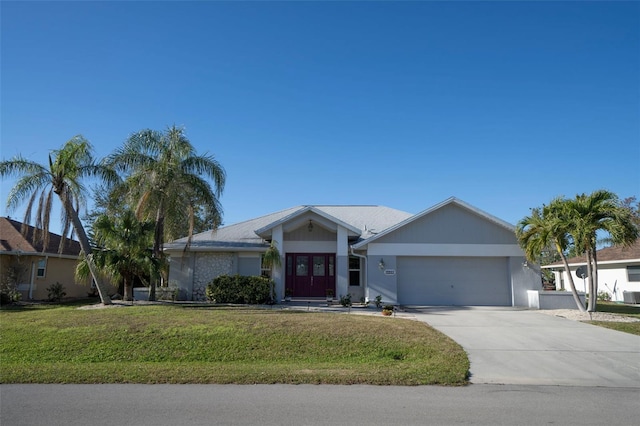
459	281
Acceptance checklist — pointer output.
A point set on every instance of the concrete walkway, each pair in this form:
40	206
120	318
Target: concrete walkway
526	347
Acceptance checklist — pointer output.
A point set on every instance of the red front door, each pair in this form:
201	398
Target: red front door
311	274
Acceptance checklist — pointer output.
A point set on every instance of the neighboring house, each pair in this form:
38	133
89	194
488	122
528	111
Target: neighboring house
450	254
618	271
35	267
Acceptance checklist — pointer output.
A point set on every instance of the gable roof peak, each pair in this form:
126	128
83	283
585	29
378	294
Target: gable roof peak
450	200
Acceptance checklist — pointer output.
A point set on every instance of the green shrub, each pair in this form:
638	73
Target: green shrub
240	289
168	293
379	301
387	310
603	296
10	276
345	300
9	294
55	292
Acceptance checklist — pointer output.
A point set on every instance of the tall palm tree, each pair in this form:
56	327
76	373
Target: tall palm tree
123	250
167	180
547	226
67	166
600	211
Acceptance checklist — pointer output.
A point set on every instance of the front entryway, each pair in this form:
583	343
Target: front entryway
311	274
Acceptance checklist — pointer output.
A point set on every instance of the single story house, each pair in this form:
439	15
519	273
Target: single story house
34	267
618	272
449	254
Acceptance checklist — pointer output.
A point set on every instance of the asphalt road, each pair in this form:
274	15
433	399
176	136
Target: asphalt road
158	405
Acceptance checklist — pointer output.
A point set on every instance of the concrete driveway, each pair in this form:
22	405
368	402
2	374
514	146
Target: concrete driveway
526	347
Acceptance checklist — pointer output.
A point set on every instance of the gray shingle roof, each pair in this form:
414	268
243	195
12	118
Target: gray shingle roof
368	219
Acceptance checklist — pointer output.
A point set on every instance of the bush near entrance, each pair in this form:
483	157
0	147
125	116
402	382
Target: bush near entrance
240	289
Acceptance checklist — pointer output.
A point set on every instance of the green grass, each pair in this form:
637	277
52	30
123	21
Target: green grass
203	344
620	309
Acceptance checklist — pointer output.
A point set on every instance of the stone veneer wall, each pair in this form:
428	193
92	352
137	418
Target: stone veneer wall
207	267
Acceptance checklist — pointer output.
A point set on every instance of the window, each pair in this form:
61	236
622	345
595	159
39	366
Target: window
318	266
264	270
633	272
42	266
302	266
354	271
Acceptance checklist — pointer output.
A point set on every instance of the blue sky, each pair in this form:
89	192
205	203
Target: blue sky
504	105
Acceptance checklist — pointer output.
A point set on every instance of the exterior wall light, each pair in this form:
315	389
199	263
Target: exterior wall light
310	226
381	264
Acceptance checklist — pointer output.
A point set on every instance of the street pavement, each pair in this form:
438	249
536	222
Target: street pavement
195	405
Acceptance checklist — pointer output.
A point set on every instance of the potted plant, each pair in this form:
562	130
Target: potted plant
329	295
288	292
378	301
387	310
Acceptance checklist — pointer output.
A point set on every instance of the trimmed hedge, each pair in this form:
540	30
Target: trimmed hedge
253	290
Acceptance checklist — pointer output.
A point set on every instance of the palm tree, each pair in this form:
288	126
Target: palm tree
67	166
167	180
271	256
547	226
600	211
123	250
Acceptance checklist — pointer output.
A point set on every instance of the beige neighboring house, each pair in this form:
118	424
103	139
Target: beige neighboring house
36	267
618	273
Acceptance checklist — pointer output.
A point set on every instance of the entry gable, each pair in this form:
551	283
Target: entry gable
450	222
307	215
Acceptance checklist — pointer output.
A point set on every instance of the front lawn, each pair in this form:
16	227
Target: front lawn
205	344
619	309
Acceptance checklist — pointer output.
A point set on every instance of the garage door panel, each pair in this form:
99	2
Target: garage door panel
453	281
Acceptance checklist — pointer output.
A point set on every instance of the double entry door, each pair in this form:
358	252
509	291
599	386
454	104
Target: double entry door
311	274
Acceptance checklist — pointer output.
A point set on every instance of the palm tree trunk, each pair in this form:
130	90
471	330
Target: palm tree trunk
128	289
157	246
593	281
86	247
572	285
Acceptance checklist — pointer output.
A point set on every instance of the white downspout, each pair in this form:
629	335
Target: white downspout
33	273
361	256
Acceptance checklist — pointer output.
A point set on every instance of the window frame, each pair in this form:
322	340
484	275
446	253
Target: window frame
264	271
358	270
42	274
633	271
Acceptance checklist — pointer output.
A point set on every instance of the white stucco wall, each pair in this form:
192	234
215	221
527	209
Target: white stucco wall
609	277
342	267
380	283
553	299
181	274
524	277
